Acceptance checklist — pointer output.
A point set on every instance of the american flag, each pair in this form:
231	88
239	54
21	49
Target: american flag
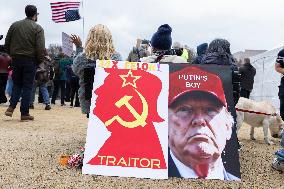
65	11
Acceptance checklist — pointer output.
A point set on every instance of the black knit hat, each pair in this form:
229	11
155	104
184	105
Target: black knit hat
280	57
162	39
30	11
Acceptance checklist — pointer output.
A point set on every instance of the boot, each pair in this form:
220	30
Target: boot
27	118
9	111
47	107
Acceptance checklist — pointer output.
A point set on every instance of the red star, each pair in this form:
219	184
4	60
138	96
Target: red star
129	79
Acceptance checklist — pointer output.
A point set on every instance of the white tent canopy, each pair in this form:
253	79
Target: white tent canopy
266	80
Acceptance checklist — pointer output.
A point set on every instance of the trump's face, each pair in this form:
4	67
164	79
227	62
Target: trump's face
199	126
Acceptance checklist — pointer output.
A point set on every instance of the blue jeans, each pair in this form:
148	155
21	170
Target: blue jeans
44	92
23	78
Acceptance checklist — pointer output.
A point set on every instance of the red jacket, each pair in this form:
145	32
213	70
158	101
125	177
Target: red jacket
5	61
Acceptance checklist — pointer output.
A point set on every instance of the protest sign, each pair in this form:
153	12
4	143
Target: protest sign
128	128
67	45
202	135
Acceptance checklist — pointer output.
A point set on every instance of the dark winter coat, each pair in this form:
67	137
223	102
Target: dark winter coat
5	61
220	59
25	38
247	72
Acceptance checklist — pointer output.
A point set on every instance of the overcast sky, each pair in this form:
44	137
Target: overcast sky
247	24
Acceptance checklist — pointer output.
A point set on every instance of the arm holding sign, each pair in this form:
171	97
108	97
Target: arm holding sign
80	58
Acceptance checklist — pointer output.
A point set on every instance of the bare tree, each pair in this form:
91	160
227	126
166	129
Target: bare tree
54	50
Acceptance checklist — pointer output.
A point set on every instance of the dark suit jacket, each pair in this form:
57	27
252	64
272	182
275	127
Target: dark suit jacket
173	171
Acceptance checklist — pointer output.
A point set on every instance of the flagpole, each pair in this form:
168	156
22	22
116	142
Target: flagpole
83	21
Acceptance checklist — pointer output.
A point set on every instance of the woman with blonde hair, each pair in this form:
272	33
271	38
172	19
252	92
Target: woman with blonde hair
99	45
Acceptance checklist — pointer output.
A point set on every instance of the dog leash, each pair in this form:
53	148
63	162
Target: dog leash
249	111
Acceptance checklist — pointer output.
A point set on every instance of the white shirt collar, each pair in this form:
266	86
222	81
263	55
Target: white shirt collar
187	172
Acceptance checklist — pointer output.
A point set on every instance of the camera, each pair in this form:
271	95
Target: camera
177	52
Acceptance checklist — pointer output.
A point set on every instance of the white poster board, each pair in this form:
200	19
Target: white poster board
67	45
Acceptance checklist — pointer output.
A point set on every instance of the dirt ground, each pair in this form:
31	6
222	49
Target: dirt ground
30	154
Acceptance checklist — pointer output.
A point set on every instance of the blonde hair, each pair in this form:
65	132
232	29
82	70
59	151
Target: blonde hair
99	44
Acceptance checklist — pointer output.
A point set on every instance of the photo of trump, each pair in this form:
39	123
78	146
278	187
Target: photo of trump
199	125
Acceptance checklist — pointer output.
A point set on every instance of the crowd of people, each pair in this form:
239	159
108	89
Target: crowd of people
25	65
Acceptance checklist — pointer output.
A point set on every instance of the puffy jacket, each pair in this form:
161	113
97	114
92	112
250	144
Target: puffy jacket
5	61
25	38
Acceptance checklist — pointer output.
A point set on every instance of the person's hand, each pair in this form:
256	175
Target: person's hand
76	40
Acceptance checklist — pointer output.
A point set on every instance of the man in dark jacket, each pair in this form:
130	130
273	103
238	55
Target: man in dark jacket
247	72
25	43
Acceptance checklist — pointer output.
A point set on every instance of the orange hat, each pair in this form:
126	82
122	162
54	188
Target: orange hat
193	78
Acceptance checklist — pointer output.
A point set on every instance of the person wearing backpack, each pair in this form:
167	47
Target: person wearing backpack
41	78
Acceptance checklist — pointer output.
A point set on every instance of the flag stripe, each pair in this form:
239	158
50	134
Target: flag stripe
62	5
64	8
58	13
63	2
58	17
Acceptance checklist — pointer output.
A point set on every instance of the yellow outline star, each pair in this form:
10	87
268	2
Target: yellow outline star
125	82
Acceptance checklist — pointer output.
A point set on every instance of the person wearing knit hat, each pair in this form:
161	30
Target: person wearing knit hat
201	50
199	125
162	39
161	43
279	67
